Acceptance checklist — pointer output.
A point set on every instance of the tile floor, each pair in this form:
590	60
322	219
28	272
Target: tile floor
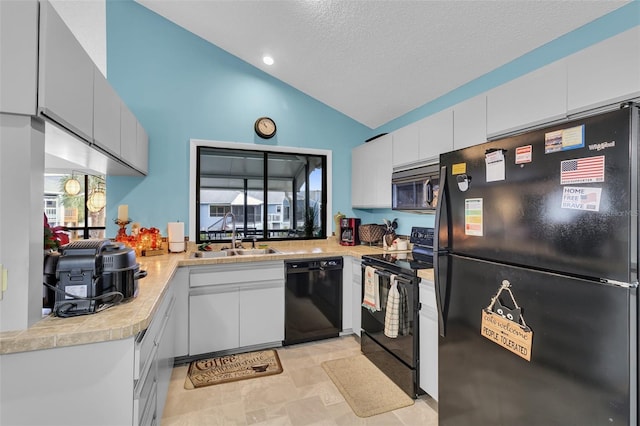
302	394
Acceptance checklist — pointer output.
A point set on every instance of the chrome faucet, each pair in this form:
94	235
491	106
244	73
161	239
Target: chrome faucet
233	227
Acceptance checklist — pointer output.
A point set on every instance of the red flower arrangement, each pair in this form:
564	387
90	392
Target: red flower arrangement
54	237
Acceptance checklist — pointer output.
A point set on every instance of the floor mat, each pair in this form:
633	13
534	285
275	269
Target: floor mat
229	368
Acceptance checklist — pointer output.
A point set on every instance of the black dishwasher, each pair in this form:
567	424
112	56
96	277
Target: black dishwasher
313	300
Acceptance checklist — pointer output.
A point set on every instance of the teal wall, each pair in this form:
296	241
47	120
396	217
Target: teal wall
181	87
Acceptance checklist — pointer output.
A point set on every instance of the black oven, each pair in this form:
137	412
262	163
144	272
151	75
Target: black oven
398	357
396	353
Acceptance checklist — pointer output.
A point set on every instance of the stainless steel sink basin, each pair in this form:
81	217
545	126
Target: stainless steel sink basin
231	252
208	254
244	252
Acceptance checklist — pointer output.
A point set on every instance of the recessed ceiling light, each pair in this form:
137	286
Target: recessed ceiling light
267	60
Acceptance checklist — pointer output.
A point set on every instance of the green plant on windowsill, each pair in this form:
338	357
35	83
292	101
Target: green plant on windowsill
310	221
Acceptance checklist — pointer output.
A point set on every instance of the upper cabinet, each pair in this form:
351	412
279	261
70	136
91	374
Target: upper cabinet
406	141
470	122
65	88
436	134
371	170
45	71
106	115
537	97
605	73
18	56
423	140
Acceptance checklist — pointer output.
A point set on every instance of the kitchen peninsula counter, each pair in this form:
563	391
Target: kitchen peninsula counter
129	318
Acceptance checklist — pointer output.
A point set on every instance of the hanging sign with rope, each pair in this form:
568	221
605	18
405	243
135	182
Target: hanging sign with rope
505	326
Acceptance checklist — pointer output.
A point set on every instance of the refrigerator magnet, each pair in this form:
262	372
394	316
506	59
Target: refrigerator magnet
473	217
505	326
524	154
564	139
581	198
582	170
495	165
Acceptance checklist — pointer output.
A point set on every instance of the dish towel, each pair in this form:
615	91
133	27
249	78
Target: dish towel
392	316
371	298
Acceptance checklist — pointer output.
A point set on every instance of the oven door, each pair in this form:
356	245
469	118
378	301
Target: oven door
404	346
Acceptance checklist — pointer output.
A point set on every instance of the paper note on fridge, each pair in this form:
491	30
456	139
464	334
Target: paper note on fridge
495	165
578	198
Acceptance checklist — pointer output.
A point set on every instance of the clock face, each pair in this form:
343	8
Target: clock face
265	127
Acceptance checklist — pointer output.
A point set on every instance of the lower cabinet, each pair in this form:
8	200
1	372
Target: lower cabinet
356	295
116	382
428	339
235	305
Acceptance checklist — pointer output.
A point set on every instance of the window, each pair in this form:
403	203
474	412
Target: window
267	195
82	214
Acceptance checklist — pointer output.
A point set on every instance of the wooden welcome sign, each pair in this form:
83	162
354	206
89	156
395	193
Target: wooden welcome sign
507	329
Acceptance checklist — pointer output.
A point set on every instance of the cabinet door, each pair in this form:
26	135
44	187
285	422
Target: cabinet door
428	339
142	149
65	92
262	313
128	135
606	72
470	122
106	115
532	99
436	134
213	320
19	56
405	145
371	174
356	295
347	294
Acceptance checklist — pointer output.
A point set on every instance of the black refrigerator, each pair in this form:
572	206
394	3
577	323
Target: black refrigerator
536	273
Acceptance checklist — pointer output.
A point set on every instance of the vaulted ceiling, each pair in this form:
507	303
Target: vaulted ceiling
377	60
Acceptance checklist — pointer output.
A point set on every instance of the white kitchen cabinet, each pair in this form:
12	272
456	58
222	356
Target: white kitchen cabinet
116	382
436	134
142	149
214	319
261	313
235	305
470	122
128	134
535	98
371	173
180	283
405	143
347	294
604	73
65	88
106	115
356	295
18	56
428	339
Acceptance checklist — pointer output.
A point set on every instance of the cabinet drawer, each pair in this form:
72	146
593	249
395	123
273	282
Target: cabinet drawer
148	340
142	401
236	273
148	416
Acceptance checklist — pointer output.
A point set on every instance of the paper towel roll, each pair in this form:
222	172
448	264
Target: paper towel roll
175	236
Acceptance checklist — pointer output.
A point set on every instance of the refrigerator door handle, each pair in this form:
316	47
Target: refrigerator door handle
440	252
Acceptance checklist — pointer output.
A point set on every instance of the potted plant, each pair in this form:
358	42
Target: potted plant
54	237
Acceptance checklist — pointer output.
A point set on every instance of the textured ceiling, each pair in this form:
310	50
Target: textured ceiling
377	60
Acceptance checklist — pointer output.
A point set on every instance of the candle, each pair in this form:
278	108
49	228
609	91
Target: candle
123	213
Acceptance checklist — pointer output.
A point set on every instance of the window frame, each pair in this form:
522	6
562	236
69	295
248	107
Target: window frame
194	173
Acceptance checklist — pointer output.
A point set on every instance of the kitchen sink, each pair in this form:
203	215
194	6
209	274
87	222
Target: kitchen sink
244	252
232	252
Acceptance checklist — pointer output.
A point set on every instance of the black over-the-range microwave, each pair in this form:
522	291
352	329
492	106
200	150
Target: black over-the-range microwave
417	188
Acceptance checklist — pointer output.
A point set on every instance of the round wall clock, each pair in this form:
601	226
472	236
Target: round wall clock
265	127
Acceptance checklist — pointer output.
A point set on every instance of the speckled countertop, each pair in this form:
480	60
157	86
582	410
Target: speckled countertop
129	318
